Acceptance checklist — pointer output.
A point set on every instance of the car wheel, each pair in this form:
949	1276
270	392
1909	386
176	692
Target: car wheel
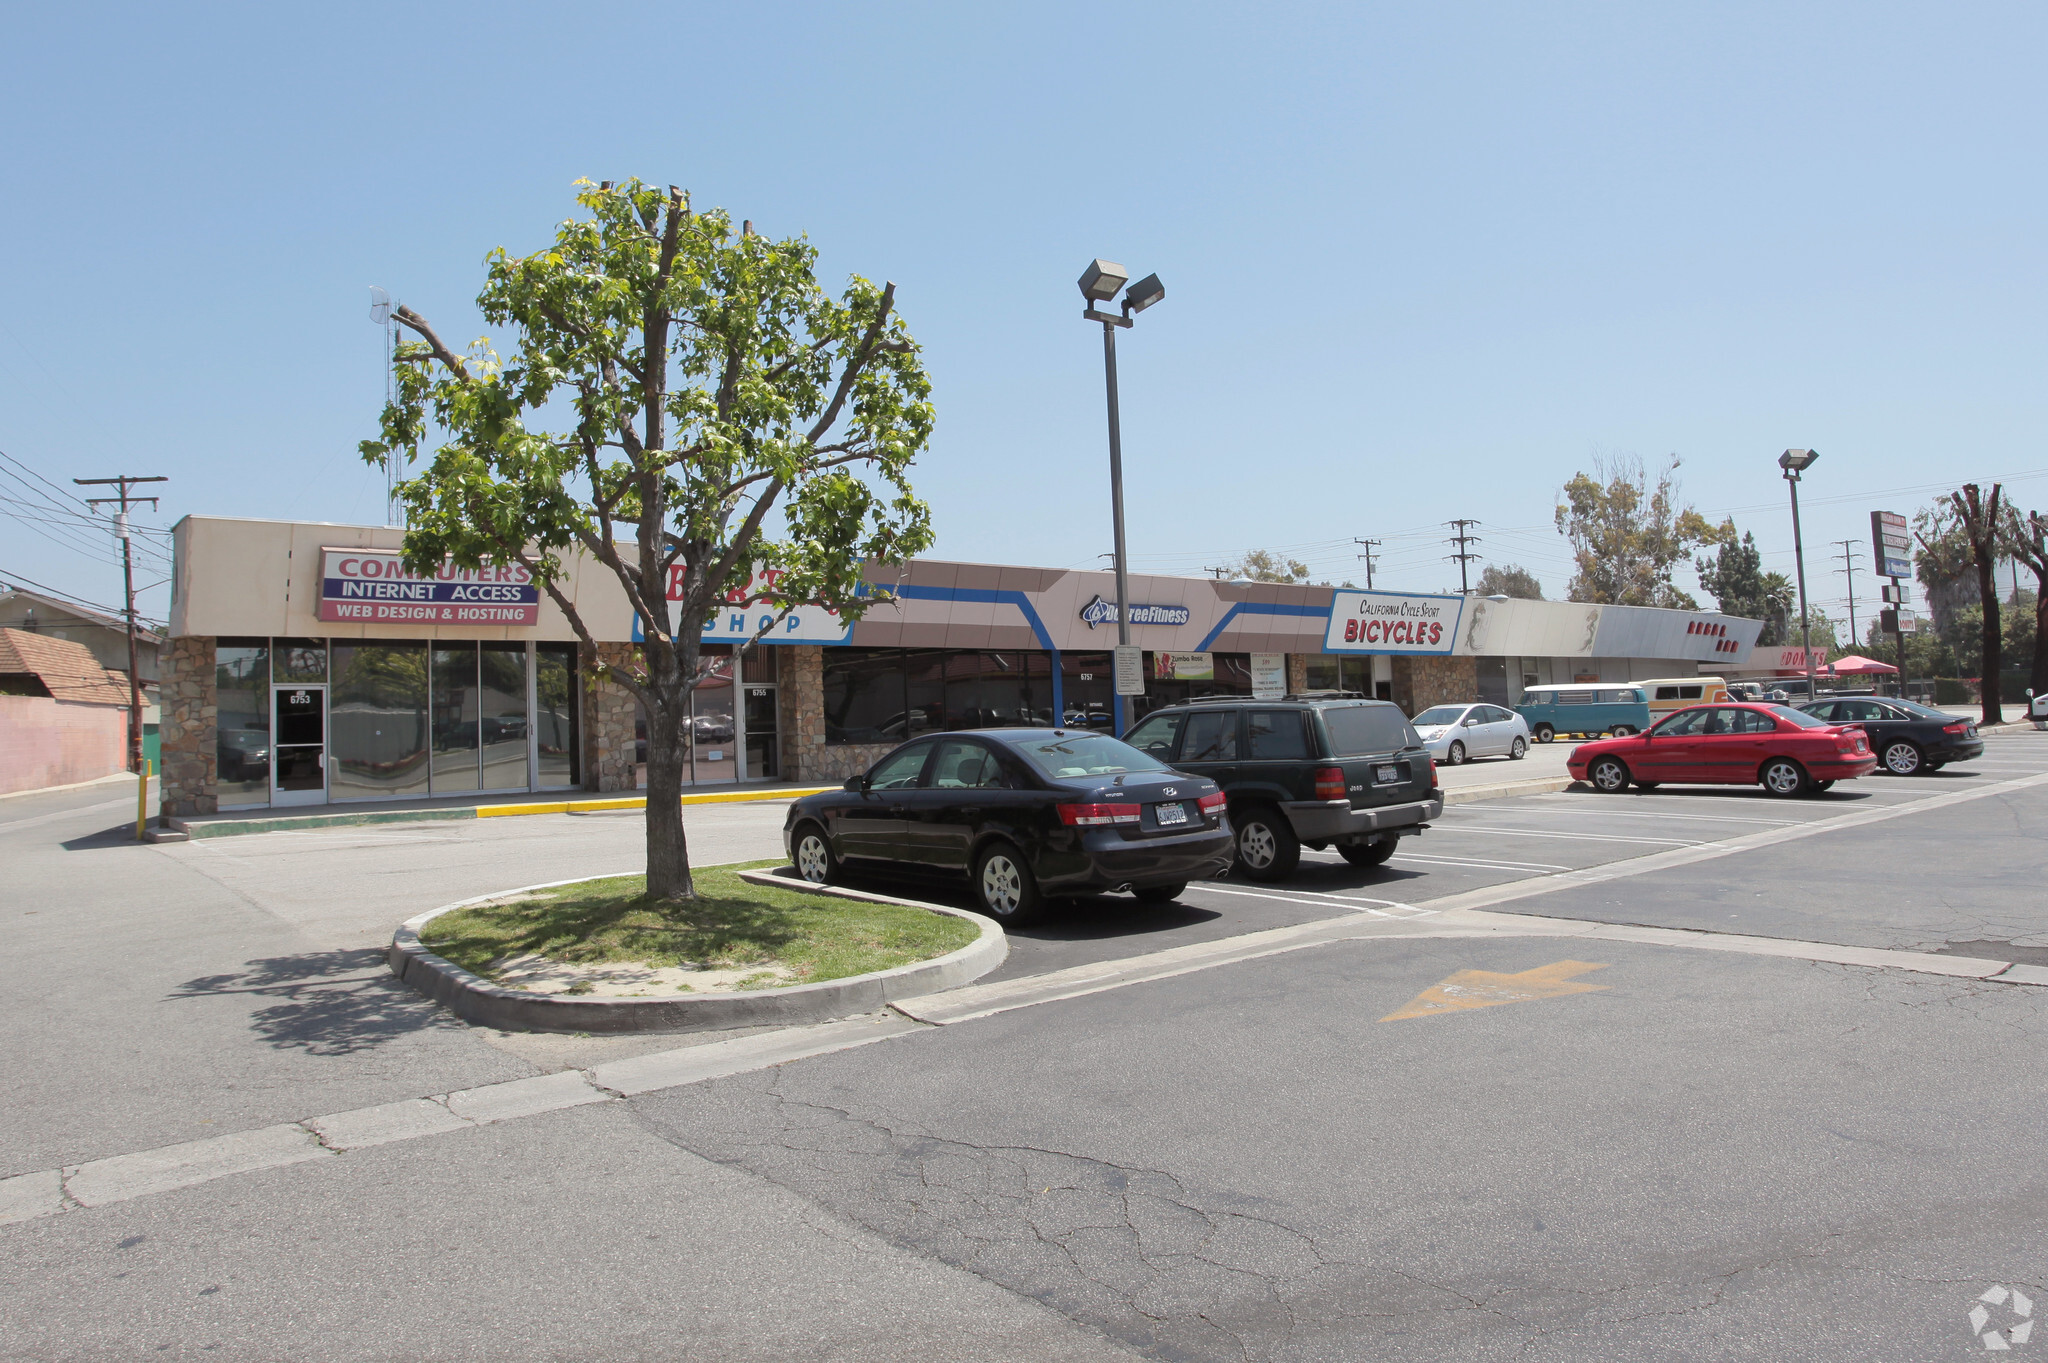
1819	786
1518	749
1608	775
814	859
1623	730
1903	758
1159	894
1266	846
1004	887
1648	785
1782	777
1544	733
1374	853
1456	755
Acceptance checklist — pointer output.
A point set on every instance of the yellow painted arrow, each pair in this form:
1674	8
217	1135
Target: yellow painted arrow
1486	988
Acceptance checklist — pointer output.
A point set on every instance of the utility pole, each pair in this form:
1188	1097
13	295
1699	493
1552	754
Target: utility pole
1463	556
124	501
1848	557
1370	545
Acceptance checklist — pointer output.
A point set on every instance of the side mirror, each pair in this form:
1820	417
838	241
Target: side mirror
857	784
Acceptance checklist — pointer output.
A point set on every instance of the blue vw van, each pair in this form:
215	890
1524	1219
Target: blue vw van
1584	709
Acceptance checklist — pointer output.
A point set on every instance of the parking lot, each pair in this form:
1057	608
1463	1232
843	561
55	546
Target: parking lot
1478	1105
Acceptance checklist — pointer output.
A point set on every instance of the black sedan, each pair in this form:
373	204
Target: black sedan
1908	739
1022	815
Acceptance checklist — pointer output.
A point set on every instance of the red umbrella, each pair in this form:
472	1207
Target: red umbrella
1857	666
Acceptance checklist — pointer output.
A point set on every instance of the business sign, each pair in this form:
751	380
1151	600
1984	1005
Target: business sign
372	587
1392	622
1269	676
743	616
1100	612
1891	547
1184	666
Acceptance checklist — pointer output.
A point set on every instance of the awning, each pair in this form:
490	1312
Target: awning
1857	666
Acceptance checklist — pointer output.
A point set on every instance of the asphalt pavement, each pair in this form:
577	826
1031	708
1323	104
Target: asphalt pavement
1417	1134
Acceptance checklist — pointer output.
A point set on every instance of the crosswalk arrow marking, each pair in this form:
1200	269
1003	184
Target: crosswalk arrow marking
1488	988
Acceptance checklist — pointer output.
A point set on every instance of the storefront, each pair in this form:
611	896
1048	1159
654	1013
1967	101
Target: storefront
306	667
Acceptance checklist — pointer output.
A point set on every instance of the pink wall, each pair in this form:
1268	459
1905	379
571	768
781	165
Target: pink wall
57	743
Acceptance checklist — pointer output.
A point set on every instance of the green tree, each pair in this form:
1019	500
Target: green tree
684	403
2026	540
1628	535
1263	566
1739	585
1942	563
1510	579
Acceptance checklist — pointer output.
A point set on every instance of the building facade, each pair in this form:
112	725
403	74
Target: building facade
304	666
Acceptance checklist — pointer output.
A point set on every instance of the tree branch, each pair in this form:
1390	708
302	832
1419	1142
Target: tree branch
855	365
418	324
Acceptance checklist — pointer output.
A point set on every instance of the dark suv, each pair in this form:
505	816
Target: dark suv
1314	771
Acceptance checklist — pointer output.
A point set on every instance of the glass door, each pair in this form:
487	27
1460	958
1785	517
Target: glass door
298	762
760	731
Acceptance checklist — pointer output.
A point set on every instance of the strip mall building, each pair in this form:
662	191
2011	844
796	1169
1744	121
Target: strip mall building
305	667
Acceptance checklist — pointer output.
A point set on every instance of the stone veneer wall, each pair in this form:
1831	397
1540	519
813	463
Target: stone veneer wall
1297	673
1420	682
608	714
806	756
188	728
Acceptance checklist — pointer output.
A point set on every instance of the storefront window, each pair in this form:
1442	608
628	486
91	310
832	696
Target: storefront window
455	719
241	679
1323	673
298	660
554	720
1088	690
501	719
863	693
713	732
377	721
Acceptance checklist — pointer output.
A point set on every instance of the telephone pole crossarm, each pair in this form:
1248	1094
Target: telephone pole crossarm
126	483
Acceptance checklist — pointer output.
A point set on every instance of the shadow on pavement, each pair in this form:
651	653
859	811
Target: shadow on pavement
324	1002
1067	920
120	835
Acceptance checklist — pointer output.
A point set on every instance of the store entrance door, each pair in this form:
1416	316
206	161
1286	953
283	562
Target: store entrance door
298	745
760	731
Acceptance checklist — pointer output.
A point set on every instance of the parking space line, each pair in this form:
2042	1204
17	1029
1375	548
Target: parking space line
1636	814
1576	837
1478	865
1457	861
1317	899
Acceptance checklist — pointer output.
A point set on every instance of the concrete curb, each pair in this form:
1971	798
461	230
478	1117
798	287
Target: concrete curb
345	818
477	1000
1540	785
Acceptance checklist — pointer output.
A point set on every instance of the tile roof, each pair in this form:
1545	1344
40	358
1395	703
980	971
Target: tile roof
67	670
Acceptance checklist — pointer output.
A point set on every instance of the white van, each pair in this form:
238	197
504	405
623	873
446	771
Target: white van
1675	693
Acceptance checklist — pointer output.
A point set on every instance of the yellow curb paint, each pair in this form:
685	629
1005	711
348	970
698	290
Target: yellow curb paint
1487	988
600	806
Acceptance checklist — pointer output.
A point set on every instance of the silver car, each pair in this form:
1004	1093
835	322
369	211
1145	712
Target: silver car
1455	734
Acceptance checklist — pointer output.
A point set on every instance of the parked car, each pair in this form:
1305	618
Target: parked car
242	755
1907	738
1302	771
2037	708
1666	694
1022	815
1584	709
1458	733
1786	751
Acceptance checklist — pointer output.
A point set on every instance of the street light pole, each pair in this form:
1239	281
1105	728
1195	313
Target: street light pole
1794	462
1099	284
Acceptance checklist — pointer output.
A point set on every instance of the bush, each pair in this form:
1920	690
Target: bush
1949	691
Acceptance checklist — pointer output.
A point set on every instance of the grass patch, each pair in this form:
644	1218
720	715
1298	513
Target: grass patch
730	925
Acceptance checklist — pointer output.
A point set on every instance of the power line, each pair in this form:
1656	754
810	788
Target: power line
1848	557
1370	545
1463	556
126	482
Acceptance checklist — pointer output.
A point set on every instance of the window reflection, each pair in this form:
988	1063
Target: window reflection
377	715
455	719
241	673
501	719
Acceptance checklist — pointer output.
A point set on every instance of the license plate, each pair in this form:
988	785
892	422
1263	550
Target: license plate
1173	813
1386	775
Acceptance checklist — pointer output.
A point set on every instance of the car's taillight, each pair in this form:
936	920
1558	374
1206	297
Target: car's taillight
1090	816
1955	728
1432	773
1213	800
1329	783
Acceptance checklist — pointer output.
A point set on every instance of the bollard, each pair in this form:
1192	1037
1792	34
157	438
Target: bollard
142	799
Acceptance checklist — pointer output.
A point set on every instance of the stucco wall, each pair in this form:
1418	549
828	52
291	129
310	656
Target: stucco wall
46	742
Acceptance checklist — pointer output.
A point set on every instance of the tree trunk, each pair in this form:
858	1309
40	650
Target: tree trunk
668	850
1994	641
2040	678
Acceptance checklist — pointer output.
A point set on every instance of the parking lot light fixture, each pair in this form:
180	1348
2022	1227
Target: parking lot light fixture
1795	462
1099	284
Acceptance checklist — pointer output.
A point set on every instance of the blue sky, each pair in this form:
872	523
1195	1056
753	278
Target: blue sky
1421	261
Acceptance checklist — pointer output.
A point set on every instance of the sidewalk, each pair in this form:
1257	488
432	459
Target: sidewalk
238	821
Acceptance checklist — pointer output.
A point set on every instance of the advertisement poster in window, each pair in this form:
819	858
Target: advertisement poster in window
1269	675
1184	666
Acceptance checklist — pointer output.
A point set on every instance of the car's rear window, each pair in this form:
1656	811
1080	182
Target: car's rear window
1359	729
1082	755
1799	717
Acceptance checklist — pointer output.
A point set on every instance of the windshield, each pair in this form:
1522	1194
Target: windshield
1439	714
1922	711
1799	717
1064	758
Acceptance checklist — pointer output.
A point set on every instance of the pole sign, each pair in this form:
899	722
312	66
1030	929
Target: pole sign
371	586
1891	547
1392	622
1130	670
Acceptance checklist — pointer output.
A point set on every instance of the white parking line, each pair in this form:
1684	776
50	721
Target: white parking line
1628	814
1316	898
1576	837
1522	868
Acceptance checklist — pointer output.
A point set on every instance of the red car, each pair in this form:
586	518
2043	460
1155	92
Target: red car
1784	750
